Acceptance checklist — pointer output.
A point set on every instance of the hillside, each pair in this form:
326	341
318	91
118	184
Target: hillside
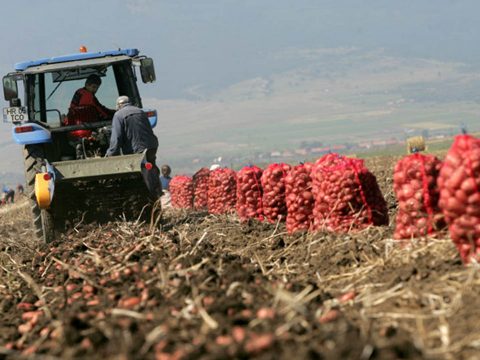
338	96
331	96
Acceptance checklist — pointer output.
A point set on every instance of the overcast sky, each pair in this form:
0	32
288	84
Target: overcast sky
210	44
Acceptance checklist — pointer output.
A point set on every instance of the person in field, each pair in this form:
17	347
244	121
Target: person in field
133	134
165	180
86	97
85	107
20	189
8	195
165	177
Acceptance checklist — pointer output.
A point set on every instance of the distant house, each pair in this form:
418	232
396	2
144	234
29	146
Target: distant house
379	143
275	154
301	151
365	145
338	147
320	150
392	142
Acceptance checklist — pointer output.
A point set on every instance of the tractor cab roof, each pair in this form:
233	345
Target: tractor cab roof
39	65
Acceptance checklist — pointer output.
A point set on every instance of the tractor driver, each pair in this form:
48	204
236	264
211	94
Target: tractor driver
85	107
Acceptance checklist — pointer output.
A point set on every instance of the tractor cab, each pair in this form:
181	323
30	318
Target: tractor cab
40	94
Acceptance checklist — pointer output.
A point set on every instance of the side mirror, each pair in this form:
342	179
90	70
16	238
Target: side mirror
10	88
147	70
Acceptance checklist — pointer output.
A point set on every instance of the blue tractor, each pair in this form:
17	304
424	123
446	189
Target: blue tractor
68	178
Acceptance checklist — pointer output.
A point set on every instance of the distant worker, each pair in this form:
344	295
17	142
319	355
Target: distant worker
20	189
85	107
9	194
133	134
165	180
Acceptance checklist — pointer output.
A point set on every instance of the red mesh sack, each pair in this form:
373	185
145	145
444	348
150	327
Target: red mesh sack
347	196
249	193
415	186
299	198
222	191
459	185
200	188
181	192
273	185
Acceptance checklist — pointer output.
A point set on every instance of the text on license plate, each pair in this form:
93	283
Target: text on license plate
15	114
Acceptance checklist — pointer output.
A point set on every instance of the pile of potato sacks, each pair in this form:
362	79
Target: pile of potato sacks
433	194
459	185
339	194
334	194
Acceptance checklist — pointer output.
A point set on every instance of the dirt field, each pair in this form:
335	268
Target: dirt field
199	286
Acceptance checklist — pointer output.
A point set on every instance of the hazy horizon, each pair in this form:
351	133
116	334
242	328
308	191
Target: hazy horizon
232	73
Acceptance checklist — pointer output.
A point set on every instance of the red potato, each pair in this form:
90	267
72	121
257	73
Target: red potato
93	302
329	316
181	190
25	328
224	340
347	296
259	342
265	313
469	186
25	306
459	181
129	302
238	333
71	287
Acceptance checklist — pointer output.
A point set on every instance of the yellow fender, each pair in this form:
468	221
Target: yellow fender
43	190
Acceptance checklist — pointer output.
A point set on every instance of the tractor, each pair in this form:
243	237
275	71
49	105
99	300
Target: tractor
68	179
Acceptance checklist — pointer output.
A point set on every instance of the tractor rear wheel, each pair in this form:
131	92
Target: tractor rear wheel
43	221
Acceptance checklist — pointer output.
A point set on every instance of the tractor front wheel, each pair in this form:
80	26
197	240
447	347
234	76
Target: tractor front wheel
43	221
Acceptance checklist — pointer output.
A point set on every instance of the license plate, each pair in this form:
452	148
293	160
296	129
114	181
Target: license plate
15	114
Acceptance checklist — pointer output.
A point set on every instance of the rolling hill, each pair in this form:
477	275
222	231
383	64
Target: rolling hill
334	96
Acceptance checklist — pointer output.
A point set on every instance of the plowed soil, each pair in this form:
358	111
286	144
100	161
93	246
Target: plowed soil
188	285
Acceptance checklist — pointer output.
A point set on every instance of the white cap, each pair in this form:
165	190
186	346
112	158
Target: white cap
214	167
122	101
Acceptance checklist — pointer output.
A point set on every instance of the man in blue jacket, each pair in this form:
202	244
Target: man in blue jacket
9	194
165	180
133	134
